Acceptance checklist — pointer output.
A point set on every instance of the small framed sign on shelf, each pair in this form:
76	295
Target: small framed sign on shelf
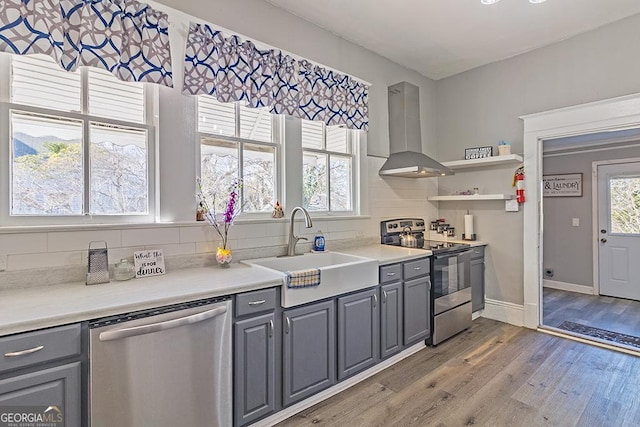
562	185
478	153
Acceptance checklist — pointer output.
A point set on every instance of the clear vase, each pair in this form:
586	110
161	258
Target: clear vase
223	257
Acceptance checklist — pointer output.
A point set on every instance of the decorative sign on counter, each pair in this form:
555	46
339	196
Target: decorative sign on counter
478	153
563	185
149	263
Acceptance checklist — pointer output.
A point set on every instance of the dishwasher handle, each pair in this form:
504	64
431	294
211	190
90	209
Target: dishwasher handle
117	334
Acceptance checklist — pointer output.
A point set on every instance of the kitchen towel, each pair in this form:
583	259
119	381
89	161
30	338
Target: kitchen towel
468	226
303	278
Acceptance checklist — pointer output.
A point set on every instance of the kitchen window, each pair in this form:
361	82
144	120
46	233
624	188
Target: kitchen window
328	162
80	145
239	143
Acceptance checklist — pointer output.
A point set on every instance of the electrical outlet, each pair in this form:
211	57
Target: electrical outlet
575	222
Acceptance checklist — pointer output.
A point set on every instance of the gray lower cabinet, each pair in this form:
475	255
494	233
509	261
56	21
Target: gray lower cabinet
255	368
391	315
358	332
58	387
309	350
416	309
477	279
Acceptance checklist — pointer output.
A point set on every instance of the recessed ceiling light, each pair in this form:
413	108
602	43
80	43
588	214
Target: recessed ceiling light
537	1
489	1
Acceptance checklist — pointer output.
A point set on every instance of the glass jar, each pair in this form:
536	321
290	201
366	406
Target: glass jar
124	270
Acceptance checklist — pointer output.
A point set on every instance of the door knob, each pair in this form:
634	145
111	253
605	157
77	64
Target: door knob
603	240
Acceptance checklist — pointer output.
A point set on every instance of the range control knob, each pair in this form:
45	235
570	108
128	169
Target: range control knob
395	225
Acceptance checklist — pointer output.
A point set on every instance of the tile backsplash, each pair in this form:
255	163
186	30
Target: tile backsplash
51	257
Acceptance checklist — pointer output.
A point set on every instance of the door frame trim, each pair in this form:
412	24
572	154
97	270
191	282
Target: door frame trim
595	214
601	116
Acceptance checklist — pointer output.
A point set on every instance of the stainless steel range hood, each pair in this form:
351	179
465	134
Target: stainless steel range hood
406	158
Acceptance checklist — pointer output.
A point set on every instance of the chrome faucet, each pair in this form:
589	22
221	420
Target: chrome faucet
291	248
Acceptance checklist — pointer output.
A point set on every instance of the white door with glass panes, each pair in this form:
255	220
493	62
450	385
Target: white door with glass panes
619	229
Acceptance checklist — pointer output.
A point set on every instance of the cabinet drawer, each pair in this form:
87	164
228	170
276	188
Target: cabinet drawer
477	252
416	268
390	273
31	348
255	302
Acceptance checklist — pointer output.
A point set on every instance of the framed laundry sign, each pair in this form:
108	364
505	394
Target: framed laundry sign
562	185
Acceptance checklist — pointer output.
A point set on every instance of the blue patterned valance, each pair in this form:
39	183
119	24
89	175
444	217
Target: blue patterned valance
125	37
232	69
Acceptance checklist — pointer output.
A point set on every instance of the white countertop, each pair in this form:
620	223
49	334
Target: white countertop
28	309
386	254
40	307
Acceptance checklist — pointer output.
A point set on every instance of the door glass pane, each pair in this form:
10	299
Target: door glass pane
255	123
219	170
46	166
118	171
314	181
259	178
340	183
625	204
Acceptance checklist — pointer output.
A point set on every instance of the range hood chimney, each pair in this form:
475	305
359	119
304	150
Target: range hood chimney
406	158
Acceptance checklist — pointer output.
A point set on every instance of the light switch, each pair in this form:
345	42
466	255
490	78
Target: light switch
511	205
575	222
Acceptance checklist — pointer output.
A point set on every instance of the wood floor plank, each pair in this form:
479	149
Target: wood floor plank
494	375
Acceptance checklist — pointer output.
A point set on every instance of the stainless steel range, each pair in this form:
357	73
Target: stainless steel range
450	302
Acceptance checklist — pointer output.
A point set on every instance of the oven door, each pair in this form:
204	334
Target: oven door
451	280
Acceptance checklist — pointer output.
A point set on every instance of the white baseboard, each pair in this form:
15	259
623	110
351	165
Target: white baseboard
570	287
503	312
323	395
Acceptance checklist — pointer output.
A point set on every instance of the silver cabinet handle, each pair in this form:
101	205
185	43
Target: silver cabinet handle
270	328
117	334
391	274
262	301
375	300
24	352
288	324
416	268
384	297
429	283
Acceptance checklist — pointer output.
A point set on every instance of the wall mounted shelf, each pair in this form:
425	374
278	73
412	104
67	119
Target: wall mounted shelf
471	197
485	162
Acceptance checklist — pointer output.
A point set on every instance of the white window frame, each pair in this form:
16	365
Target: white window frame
149	125
277	136
354	154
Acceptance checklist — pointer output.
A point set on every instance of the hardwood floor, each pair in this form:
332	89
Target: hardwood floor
613	314
493	374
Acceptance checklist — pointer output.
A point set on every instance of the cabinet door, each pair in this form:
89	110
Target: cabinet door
309	351
416	310
254	365
358	332
477	284
390	319
57	387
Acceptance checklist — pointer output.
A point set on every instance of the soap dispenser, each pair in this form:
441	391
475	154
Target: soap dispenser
318	242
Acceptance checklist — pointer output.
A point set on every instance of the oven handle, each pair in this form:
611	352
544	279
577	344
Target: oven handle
117	334
452	254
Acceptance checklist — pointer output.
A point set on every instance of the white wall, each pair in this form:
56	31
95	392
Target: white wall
567	249
482	106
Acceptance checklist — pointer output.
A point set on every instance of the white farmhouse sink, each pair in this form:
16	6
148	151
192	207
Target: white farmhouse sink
339	274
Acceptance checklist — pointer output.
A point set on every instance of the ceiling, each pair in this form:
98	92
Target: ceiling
440	38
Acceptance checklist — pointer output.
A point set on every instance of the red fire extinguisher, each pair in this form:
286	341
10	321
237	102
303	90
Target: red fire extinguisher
518	182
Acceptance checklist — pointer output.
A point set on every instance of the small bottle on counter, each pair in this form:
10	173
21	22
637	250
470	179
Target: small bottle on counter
318	242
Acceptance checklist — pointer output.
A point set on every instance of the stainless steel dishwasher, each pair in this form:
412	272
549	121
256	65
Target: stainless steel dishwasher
169	366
